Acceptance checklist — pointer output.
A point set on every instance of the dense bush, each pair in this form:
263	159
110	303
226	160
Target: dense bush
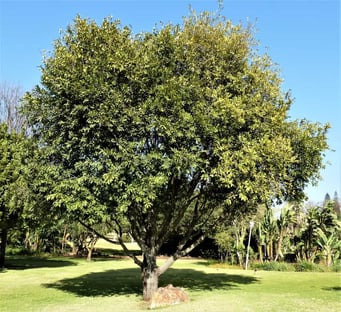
273	266
302	266
305	266
336	267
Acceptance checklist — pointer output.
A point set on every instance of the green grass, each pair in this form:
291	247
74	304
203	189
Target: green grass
66	284
105	248
103	244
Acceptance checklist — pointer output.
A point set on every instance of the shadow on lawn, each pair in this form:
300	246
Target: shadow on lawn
28	262
128	282
336	288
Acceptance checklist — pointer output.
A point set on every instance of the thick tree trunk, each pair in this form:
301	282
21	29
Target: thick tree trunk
3	242
150	281
151	272
150	275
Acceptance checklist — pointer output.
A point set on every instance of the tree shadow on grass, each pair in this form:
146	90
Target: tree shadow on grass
29	262
198	280
128	282
336	288
106	283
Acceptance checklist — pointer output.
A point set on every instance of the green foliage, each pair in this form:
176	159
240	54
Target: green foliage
306	266
336	267
319	235
230	241
12	153
173	131
301	266
273	266
300	233
15	155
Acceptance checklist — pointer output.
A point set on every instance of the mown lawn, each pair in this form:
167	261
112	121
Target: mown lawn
66	284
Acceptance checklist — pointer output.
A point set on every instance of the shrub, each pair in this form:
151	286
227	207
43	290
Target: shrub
336	267
305	266
17	251
273	266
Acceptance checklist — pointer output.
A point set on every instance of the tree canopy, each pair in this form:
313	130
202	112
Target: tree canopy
174	130
14	156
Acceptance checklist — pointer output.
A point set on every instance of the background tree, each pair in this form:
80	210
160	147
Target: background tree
270	230
326	199
15	152
10	97
316	219
330	245
230	240
177	130
337	205
284	222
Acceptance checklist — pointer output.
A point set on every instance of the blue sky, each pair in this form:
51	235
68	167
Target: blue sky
301	36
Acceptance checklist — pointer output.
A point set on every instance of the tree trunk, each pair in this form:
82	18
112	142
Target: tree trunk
27	241
3	242
89	255
36	242
150	276
150	281
90	247
260	252
279	253
329	258
75	248
65	235
151	272
271	249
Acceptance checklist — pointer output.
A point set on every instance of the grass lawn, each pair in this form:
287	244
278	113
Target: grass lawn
63	284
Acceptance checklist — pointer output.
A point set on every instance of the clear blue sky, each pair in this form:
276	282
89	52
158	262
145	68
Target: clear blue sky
302	36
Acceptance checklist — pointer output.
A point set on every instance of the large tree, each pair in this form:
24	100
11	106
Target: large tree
14	156
14	151
175	130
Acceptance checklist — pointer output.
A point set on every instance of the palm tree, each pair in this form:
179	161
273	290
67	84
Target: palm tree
337	205
318	219
309	233
328	218
287	218
330	246
269	228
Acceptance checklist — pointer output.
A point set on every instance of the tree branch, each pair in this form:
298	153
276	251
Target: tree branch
119	242
178	254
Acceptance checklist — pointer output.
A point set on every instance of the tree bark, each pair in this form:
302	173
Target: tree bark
89	255
150	283
151	272
260	252
3	239
279	254
65	235
90	246
150	275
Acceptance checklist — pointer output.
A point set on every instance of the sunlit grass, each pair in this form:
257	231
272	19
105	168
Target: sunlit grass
103	244
67	284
